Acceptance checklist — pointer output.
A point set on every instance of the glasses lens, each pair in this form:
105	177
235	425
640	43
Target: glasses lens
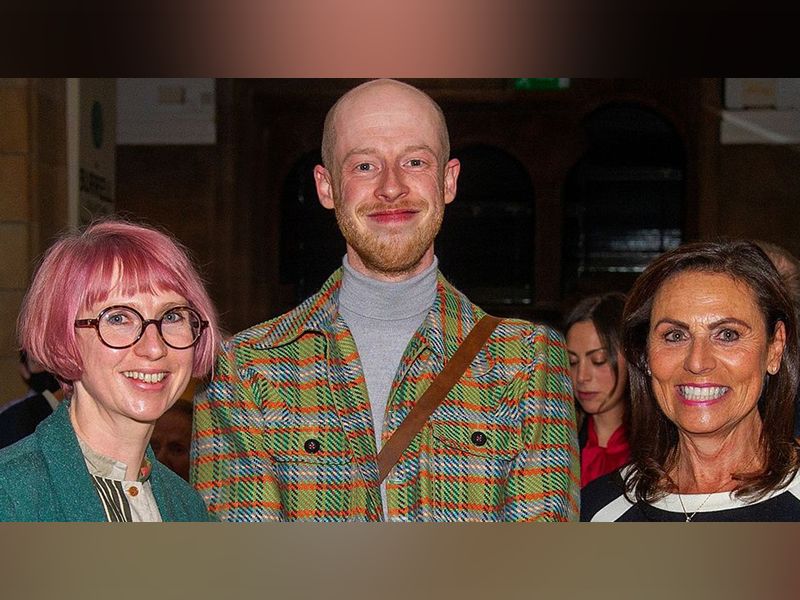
119	327
181	327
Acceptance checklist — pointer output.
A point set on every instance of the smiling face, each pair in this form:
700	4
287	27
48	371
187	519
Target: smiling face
136	384
708	351
593	378
388	182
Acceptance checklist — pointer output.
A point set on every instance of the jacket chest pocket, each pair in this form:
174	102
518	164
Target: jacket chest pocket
301	423
314	470
471	456
311	456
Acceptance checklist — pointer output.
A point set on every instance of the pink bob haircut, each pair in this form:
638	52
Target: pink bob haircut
83	268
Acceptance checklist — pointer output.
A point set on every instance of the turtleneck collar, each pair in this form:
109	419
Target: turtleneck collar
385	300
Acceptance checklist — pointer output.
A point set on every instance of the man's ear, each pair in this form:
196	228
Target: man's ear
324	183
451	171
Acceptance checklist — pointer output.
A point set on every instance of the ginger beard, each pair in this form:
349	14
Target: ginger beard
391	253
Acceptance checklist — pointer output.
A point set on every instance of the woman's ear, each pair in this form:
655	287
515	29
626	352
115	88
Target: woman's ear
776	348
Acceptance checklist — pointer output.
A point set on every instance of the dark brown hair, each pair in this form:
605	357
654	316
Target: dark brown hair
653	437
605	313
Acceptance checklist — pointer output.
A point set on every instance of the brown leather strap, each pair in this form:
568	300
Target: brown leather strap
433	396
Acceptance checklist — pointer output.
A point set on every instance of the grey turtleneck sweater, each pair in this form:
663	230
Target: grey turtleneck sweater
383	316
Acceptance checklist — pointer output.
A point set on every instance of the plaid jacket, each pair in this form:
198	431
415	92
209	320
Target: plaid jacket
284	430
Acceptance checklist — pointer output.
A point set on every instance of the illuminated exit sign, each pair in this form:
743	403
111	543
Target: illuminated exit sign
541	83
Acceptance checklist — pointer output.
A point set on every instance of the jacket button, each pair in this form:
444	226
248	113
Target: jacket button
312	446
478	438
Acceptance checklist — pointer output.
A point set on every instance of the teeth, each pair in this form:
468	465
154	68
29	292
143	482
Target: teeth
701	394
146	377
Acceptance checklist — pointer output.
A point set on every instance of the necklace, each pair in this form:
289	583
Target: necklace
689	517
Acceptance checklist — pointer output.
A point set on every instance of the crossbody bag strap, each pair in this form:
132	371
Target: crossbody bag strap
395	446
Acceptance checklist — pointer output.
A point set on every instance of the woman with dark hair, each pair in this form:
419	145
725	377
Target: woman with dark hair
709	335
87	319
599	381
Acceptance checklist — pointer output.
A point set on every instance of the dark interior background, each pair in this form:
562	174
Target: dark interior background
563	192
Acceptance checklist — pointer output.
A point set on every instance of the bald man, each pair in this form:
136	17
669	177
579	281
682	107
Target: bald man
290	427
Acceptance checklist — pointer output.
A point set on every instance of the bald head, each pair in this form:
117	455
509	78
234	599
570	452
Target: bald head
388	176
385	91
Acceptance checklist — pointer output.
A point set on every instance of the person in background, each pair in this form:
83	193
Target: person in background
600	383
19	418
120	315
172	437
789	268
300	406
710	336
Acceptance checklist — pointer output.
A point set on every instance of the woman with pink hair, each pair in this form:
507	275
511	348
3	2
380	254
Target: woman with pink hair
87	318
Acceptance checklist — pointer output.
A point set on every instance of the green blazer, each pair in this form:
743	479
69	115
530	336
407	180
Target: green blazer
44	478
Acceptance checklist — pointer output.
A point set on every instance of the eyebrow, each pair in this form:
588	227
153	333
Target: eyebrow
713	325
162	308
371	150
360	151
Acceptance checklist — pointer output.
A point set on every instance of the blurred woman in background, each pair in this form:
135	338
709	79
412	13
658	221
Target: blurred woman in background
599	380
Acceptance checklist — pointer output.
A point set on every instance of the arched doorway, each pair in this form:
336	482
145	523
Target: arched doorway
486	246
623	200
311	247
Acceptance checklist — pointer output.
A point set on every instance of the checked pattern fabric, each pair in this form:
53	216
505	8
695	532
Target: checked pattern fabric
283	432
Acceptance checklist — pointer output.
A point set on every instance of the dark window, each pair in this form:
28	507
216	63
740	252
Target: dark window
311	247
486	244
623	200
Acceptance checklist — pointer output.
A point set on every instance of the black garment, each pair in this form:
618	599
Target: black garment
603	501
20	418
